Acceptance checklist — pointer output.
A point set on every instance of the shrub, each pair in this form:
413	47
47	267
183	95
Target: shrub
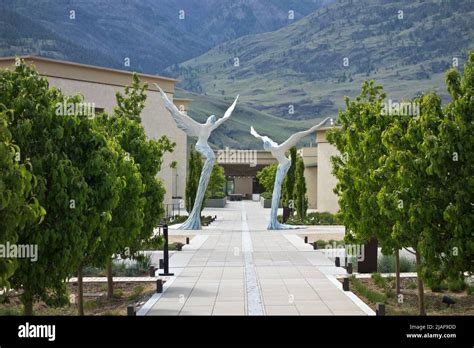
386	264
457	285
407	265
219	194
371	295
379	280
411	284
321	218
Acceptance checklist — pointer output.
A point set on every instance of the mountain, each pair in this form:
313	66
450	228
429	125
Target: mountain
235	132
148	32
406	45
32	37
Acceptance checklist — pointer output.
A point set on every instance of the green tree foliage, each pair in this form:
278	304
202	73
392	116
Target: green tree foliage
192	180
357	168
289	182
141	194
299	192
18	206
76	182
266	177
216	181
408	180
146	153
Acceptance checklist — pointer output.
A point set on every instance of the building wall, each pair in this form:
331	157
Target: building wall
156	120
327	199
98	85
310	160
243	185
311	177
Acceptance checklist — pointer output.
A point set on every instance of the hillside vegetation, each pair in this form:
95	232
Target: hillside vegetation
303	64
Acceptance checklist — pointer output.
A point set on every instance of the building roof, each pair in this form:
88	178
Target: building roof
91	73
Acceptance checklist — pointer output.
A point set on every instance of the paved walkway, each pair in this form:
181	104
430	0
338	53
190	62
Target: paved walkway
236	267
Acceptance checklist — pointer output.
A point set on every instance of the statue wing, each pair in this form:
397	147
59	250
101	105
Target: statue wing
293	140
183	121
226	114
263	137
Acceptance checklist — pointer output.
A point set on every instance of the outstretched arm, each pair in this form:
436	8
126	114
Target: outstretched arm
182	120
263	137
226	114
293	140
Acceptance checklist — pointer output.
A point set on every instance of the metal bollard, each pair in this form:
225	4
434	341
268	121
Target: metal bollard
166	253
152	271
131	312
159	286
345	284
306	239
161	266
315	246
337	261
349	268
187	240
380	309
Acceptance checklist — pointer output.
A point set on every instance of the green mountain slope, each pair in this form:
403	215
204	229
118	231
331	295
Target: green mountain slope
235	132
303	64
148	32
31	37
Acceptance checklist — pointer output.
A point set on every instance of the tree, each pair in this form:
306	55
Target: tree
433	156
140	208
266	177
289	182
216	181
192	180
299	196
18	206
357	169
404	180
69	158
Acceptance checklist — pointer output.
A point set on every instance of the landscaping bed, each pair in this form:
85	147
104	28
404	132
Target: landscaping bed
378	289
95	300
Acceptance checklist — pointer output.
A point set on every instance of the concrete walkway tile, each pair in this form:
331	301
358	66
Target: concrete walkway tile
200	301
313	308
339	305
163	311
229	308
281	310
197	310
332	295
319	285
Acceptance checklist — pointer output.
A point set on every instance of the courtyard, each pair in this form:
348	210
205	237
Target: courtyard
236	267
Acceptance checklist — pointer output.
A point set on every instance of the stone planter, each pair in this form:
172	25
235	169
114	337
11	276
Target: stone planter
266	203
216	202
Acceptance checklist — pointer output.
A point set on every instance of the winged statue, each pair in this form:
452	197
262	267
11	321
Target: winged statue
201	131
279	152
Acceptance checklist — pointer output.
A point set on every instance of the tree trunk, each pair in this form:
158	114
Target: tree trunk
28	307
421	290
80	292
110	281
397	270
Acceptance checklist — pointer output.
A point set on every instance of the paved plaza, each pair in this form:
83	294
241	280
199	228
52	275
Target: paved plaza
236	267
